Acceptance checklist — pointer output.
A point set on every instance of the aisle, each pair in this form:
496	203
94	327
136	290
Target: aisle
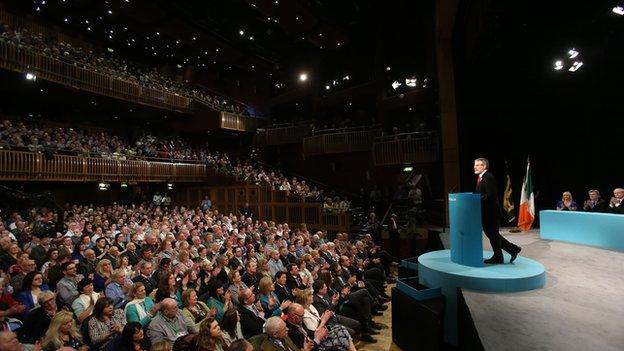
384	339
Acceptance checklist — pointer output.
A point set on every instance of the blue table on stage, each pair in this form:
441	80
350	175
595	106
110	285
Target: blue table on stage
603	230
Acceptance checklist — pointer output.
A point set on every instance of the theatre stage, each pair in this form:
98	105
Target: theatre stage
581	307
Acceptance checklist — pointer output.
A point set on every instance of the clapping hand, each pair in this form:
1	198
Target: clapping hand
327	315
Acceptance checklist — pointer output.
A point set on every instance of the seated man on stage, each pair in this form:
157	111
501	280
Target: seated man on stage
594	203
490	213
617	201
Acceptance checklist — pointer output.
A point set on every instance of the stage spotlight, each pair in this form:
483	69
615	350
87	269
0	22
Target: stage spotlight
618	10
30	76
558	65
410	82
573	53
575	66
303	77
169	186
396	85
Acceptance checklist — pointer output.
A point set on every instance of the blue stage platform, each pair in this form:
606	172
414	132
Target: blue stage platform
603	230
437	271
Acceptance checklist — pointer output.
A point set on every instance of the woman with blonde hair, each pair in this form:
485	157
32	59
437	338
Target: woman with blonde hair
210	336
194	310
102	276
263	268
141	308
338	337
567	203
271	304
62	332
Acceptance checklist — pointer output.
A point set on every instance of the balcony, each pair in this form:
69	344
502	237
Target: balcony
281	135
37	166
340	141
405	148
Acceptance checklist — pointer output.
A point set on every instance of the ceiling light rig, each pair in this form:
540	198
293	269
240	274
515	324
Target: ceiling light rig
618	10
572	61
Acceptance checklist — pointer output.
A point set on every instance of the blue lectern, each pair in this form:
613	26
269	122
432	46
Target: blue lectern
465	223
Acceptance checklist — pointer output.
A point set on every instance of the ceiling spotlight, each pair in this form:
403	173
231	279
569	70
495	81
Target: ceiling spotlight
327	87
410	82
573	53
618	10
169	186
30	76
194	38
241	32
110	12
251	38
396	85
89	29
346	77
575	66
303	77
424	84
388	69
253	5
558	65
297	18
65	19
338	43
124	185
103	186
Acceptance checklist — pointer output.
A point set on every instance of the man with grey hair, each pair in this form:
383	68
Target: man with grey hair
594	203
275	263
169	324
277	336
617	201
490	213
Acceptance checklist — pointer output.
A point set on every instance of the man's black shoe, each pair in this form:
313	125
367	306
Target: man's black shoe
375	325
383	299
367	338
493	260
381	307
514	255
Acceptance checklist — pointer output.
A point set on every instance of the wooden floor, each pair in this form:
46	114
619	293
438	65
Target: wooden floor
384	339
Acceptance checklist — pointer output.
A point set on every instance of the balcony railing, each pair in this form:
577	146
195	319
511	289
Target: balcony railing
405	148
292	134
352	141
267	205
237	122
24	165
23	59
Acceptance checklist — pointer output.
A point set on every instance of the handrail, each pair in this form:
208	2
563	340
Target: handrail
354	141
345	129
407	135
21	165
405	151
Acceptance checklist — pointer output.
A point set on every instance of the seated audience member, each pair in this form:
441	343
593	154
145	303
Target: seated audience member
276	337
141	308
282	290
169	324
219	299
269	301
132	338
236	284
106	322
8	323
103	275
594	203
145	277
567	203
84	304
195	311
322	303
210	336
117	289
32	286
168	288
9	341
338	336
231	327
86	267
617	201
67	287
241	345
62	332
38	320
251	317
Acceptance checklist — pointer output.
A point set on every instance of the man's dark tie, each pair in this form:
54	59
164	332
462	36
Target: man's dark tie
478	180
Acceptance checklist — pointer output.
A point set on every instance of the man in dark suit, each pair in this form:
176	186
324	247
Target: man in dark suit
251	317
616	204
594	203
323	303
490	213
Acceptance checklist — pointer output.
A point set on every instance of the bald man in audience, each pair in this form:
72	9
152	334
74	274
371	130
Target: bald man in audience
169	324
617	201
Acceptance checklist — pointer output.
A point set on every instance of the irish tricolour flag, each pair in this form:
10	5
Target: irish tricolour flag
527	202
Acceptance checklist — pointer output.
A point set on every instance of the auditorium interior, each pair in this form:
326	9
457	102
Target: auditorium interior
329	149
